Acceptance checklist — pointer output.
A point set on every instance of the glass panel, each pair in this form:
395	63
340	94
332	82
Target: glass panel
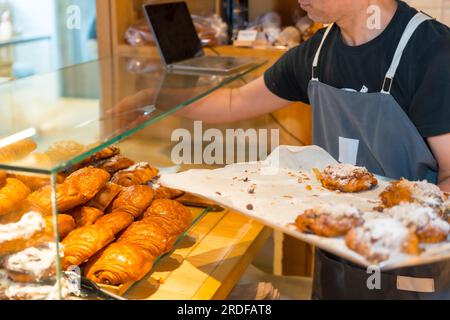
51	121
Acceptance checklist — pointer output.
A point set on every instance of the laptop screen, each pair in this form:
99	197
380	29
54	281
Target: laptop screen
174	31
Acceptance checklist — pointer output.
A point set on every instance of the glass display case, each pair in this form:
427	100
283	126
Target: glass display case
68	188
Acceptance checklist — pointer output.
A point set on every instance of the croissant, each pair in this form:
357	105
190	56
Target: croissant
83	243
12	195
140	173
64	150
116	221
167	193
119	263
17	150
77	189
85	215
104	198
103	154
37	182
171	209
134	200
114	164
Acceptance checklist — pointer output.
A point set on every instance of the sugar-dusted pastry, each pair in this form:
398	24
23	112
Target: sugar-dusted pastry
421	192
34	264
17	150
77	189
38	291
140	173
134	200
3	177
66	224
64	150
25	232
378	238
104	198
329	220
5	282
12	195
167	193
171	209
429	226
85	216
116	221
114	164
120	263
346	178
83	243
35	182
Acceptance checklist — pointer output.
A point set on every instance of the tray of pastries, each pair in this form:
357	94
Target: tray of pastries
114	222
341	208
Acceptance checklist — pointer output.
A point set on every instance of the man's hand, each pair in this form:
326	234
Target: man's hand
440	145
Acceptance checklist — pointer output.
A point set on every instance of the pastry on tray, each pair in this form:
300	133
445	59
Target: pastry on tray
34	264
167	193
329	220
378	238
420	192
36	182
429	226
346	178
91	160
116	221
12	195
66	224
134	200
114	164
140	173
104	198
170	209
85	216
77	189
17	150
83	243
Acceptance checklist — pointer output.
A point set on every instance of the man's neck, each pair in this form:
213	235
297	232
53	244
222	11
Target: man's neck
361	26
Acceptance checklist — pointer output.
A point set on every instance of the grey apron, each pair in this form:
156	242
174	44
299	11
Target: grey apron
372	130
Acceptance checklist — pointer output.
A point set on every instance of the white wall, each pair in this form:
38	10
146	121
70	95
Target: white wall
439	9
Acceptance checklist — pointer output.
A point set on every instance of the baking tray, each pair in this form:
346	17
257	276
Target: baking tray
275	191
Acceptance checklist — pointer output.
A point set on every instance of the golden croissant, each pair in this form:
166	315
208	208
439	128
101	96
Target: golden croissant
11	195
37	182
114	164
65	225
116	221
167	193
140	173
104	198
17	150
134	200
83	243
103	154
85	215
171	209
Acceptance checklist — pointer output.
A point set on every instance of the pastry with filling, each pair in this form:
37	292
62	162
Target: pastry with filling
329	220
85	216
116	221
12	195
140	173
134	200
378	238
114	164
346	178
167	193
104	198
170	209
66	224
429	226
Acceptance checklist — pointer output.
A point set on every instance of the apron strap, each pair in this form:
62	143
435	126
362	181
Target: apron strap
315	74
412	26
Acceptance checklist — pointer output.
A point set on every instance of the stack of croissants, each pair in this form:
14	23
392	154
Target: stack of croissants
112	220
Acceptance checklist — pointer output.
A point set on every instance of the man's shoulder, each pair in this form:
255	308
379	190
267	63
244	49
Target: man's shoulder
432	35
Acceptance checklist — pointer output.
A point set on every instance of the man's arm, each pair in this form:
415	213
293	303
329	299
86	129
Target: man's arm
440	145
228	105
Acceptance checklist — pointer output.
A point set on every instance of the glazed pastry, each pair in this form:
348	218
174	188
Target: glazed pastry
329	220
134	200
83	243
114	164
77	189
101	155
11	195
17	150
3	177
65	225
346	178
420	192
120	263
21	234
64	150
170	209
140	173
85	216
167	193
429	226
33	264
36	182
104	198
116	221
378	238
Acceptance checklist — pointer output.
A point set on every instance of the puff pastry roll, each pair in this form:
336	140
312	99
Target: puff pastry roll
116	221
77	189
101	155
65	225
134	200
140	173
114	164
36	182
17	150
85	216
104	198
120	263
170	209
12	194
167	193
83	243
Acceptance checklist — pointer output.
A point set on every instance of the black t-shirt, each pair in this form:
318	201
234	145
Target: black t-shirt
421	85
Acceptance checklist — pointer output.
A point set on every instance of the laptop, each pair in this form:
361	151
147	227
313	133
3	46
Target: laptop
179	45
